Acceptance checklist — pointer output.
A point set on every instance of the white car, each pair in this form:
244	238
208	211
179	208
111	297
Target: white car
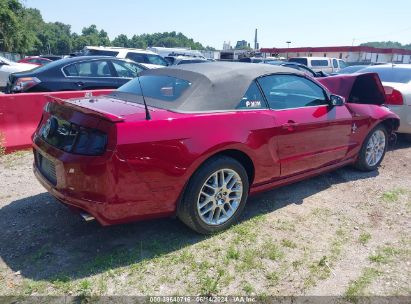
147	58
396	79
177	60
7	67
324	64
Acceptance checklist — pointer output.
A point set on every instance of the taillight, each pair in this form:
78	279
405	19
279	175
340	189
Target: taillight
394	97
72	138
89	142
25	83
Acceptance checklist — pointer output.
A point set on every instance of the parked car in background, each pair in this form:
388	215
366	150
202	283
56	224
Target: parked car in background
298	66
74	74
35	60
350	69
165	52
7	67
195	140
252	59
51	57
324	64
396	79
147	58
176	60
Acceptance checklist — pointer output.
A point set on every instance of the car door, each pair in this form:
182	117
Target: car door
90	75
310	133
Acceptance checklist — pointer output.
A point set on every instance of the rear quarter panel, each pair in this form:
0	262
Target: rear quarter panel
162	154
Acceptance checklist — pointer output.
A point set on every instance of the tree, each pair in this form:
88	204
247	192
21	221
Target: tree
121	41
14	35
387	44
23	30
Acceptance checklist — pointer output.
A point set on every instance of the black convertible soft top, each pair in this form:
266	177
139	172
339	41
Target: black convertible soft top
215	86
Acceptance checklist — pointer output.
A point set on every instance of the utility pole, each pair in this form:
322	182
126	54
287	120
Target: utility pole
288	47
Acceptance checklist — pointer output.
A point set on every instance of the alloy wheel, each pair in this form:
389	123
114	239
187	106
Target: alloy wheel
375	148
220	197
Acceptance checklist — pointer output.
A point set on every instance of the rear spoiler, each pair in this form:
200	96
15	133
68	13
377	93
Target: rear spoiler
71	103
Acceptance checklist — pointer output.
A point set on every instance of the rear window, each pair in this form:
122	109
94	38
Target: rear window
163	88
319	63
100	53
299	60
399	75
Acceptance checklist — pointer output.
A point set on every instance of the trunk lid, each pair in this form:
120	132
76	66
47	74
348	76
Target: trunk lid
106	107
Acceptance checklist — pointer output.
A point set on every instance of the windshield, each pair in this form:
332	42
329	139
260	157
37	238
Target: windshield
387	74
155	88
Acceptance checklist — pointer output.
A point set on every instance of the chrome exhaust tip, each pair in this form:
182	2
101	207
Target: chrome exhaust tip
87	217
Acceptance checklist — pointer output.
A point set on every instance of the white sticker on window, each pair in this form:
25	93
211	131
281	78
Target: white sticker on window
253	104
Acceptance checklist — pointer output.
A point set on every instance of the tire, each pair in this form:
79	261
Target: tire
225	204
370	164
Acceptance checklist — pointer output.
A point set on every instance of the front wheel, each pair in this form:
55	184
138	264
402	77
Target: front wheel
215	196
373	149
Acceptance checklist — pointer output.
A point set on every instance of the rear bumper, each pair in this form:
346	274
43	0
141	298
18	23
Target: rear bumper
103	186
95	208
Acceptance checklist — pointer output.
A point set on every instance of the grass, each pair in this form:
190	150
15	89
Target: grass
288	243
271	251
357	287
384	255
247	288
233	253
10	160
285	225
273	278
364	238
321	269
393	195
209	283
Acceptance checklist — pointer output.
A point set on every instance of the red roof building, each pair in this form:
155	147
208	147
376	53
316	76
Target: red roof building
364	54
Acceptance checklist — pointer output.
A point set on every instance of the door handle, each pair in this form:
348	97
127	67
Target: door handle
290	125
80	83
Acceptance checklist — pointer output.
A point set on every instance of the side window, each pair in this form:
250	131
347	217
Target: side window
335	63
319	63
136	57
252	98
156	59
71	70
89	69
126	69
290	91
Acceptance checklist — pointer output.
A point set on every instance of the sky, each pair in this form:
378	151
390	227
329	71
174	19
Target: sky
211	22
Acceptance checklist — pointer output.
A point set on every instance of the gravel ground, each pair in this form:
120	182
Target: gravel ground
342	233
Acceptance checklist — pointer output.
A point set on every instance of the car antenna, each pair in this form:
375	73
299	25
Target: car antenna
148	117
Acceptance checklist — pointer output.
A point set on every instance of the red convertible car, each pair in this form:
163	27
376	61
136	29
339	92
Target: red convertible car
196	140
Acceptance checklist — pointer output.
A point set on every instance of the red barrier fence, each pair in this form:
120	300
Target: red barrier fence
21	113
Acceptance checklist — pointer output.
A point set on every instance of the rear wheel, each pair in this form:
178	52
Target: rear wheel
215	196
373	149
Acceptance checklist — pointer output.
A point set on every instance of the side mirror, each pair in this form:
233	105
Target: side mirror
336	100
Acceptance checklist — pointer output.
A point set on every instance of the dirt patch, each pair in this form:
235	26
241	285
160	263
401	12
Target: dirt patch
342	233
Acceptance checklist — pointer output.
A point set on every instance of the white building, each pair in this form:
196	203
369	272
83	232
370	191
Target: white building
351	54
